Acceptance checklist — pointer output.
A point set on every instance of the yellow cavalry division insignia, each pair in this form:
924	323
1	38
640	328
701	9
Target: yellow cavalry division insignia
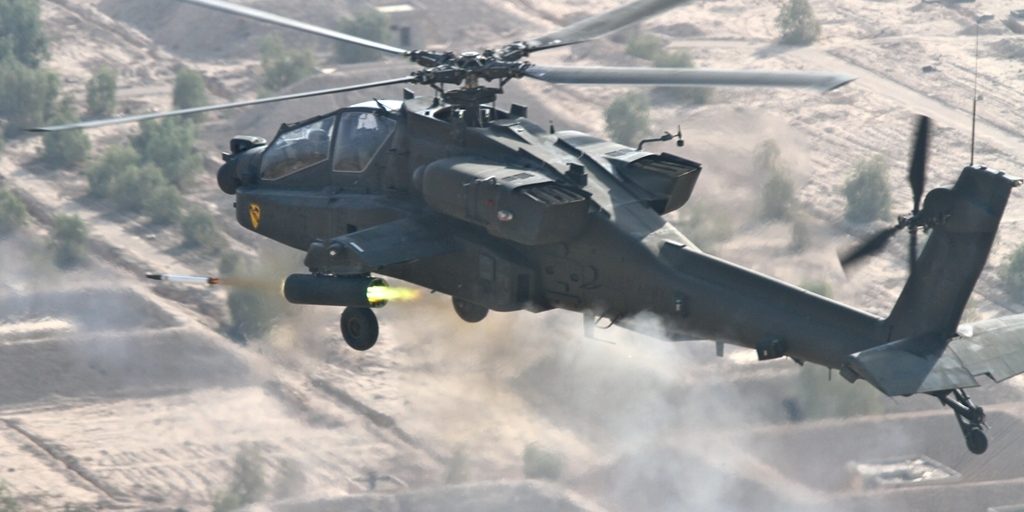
255	213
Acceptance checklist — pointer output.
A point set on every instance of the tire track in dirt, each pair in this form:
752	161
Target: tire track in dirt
70	463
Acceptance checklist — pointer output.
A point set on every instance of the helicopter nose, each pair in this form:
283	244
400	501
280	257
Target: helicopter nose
227	177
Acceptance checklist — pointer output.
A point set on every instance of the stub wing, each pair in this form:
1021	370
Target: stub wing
392	243
991	348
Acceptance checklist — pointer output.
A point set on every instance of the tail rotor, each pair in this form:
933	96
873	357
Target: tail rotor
912	222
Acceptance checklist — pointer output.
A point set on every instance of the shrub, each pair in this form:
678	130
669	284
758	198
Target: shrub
7	501
644	46
248	481
706	224
867	192
766	156
777	197
627	117
541	463
68	237
189	90
101	93
283	67
12	212
819	397
778	192
21	33
170	144
1013	275
132	187
199	231
65	148
164	205
681	59
27	95
103	173
368	24
797	23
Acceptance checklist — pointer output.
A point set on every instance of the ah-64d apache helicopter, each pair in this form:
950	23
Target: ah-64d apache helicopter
458	196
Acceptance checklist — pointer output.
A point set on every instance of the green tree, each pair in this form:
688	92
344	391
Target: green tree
131	189
867	192
766	156
541	463
777	196
68	237
65	148
170	144
627	117
681	59
27	95
248	482
12	212
101	93
283	67
200	231
7	501
368	24
103	173
253	310
164	205
189	90
645	46
1013	275
21	33
778	193
797	23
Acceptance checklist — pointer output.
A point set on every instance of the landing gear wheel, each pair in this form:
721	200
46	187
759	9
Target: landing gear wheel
969	417
977	441
468	311
359	327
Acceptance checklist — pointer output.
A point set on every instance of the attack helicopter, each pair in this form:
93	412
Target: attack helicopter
461	197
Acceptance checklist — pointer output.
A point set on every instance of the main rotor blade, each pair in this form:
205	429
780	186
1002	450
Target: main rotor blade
686	77
156	115
602	24
919	160
870	246
257	14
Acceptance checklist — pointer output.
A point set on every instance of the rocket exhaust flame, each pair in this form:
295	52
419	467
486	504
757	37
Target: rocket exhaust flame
391	293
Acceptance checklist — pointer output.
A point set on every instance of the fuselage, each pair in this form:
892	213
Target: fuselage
622	259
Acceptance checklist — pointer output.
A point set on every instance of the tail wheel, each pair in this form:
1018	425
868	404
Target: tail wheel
359	327
977	441
468	311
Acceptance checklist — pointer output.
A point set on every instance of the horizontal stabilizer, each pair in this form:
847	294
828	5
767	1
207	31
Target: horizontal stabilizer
992	348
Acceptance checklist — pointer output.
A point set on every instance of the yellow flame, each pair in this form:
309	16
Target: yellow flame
377	294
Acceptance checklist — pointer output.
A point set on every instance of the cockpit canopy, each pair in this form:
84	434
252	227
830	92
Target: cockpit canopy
355	135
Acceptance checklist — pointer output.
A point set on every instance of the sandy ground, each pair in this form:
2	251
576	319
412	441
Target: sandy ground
120	395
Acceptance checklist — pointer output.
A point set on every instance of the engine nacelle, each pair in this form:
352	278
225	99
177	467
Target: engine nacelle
333	290
516	204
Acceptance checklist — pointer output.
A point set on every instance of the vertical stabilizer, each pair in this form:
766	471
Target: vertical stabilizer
963	223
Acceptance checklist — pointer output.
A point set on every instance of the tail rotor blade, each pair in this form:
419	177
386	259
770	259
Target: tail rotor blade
870	246
918	161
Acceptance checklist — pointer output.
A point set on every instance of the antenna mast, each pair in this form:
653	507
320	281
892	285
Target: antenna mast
974	105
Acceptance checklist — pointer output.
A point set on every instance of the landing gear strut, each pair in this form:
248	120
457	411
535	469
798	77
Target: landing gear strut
359	327
970	417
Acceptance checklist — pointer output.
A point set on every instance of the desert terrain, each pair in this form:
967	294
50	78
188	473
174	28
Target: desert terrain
119	393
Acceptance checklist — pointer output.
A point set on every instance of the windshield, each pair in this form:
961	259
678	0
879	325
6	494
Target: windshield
360	135
298	149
